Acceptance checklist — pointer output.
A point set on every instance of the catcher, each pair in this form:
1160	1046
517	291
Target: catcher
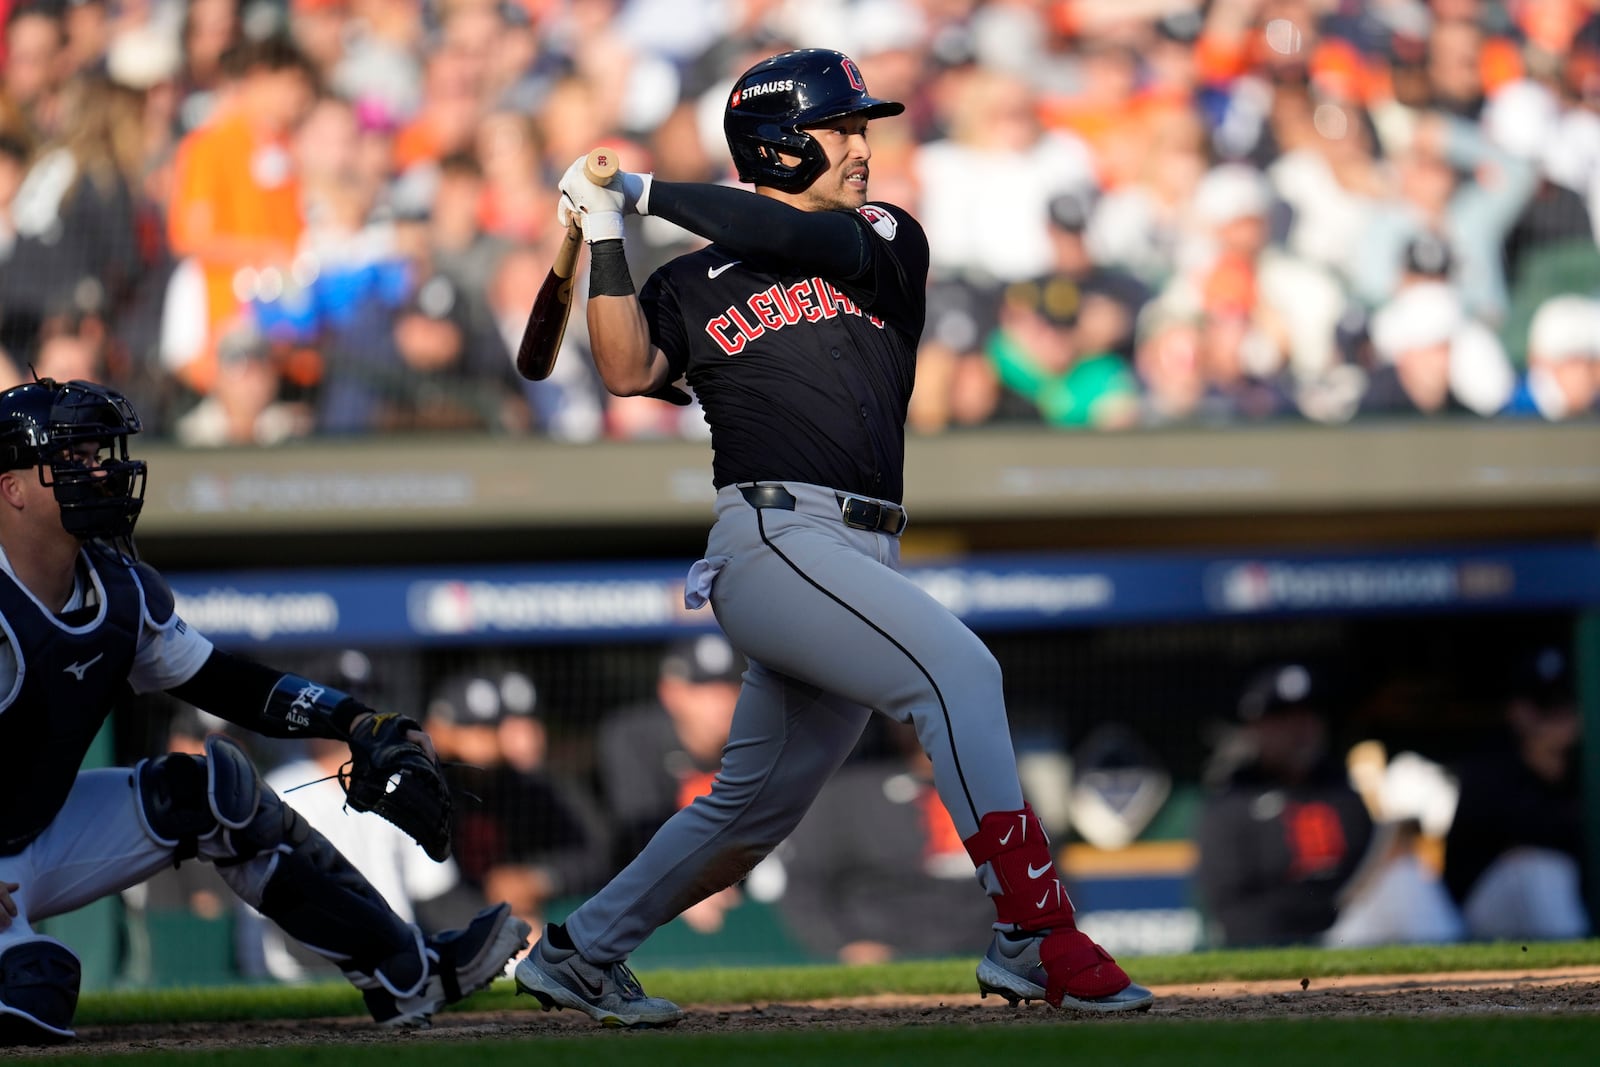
82	623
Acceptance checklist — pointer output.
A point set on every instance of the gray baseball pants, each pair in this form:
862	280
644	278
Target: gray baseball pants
832	631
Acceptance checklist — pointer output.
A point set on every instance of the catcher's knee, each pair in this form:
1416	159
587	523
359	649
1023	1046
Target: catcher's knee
186	799
39	981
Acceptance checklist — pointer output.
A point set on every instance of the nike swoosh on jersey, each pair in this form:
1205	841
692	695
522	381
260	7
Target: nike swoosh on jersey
712	272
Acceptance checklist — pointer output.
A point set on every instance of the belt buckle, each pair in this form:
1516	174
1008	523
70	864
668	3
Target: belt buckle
861	514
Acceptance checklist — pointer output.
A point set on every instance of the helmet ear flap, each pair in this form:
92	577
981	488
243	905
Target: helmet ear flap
759	158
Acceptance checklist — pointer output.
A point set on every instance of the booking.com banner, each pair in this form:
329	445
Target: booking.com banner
644	601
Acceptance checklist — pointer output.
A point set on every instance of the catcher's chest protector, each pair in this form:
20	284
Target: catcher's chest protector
71	671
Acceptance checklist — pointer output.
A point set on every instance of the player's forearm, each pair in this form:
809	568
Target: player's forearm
829	243
620	340
268	701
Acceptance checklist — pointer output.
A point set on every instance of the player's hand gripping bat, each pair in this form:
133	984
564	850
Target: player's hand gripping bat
547	320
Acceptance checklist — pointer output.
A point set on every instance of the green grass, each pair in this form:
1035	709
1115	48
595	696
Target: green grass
1547	1041
757	985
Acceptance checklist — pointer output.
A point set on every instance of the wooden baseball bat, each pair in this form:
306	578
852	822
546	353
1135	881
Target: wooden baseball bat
547	319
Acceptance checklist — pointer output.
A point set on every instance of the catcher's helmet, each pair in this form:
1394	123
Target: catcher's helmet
48	424
774	99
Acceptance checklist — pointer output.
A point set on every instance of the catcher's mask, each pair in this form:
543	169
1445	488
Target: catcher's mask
76	434
774	100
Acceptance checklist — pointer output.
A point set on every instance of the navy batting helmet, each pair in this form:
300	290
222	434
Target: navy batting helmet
48	424
774	100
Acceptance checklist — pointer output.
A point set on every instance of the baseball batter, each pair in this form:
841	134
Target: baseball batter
797	329
81	623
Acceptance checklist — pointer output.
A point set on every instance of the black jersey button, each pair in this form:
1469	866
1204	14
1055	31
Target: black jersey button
863	411
835	353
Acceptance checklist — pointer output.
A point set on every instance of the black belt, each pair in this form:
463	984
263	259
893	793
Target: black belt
857	512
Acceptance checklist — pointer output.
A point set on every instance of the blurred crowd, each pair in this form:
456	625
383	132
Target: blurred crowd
266	219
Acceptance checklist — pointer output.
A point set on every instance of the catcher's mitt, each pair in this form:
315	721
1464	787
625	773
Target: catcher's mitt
392	775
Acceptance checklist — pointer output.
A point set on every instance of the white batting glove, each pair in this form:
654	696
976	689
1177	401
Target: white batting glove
598	208
635	192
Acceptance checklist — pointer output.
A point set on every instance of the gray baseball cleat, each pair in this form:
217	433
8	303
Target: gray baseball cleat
1012	969
607	993
460	962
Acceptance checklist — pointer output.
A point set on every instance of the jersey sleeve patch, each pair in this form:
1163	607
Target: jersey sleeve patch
883	223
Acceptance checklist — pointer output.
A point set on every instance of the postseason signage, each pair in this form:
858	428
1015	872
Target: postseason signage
644	601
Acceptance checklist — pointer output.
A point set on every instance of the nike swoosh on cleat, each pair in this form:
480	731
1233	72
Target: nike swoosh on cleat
1035	872
712	272
594	989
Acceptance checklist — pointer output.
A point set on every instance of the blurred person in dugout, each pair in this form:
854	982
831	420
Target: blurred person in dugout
395	864
658	756
876	870
1280	831
521	832
1514	853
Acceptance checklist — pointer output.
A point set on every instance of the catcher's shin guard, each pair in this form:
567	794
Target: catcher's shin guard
295	877
276	862
1014	864
320	899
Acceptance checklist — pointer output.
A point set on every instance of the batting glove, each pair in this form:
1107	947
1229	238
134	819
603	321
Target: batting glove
635	192
597	208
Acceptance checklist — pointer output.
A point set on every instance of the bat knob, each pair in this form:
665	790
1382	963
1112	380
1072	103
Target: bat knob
600	165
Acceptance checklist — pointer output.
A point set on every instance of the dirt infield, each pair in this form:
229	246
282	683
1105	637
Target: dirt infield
1564	990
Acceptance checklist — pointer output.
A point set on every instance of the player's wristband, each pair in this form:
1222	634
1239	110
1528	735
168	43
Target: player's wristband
608	270
300	706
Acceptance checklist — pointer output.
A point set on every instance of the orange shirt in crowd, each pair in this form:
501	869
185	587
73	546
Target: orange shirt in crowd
1118	137
416	142
1339	65
229	184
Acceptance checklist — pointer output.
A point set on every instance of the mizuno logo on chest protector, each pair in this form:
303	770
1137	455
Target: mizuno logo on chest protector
77	669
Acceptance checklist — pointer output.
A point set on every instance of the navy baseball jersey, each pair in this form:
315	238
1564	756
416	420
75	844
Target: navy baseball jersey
801	378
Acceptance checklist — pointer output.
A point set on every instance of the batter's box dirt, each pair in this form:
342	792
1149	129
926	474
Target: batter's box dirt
1564	990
